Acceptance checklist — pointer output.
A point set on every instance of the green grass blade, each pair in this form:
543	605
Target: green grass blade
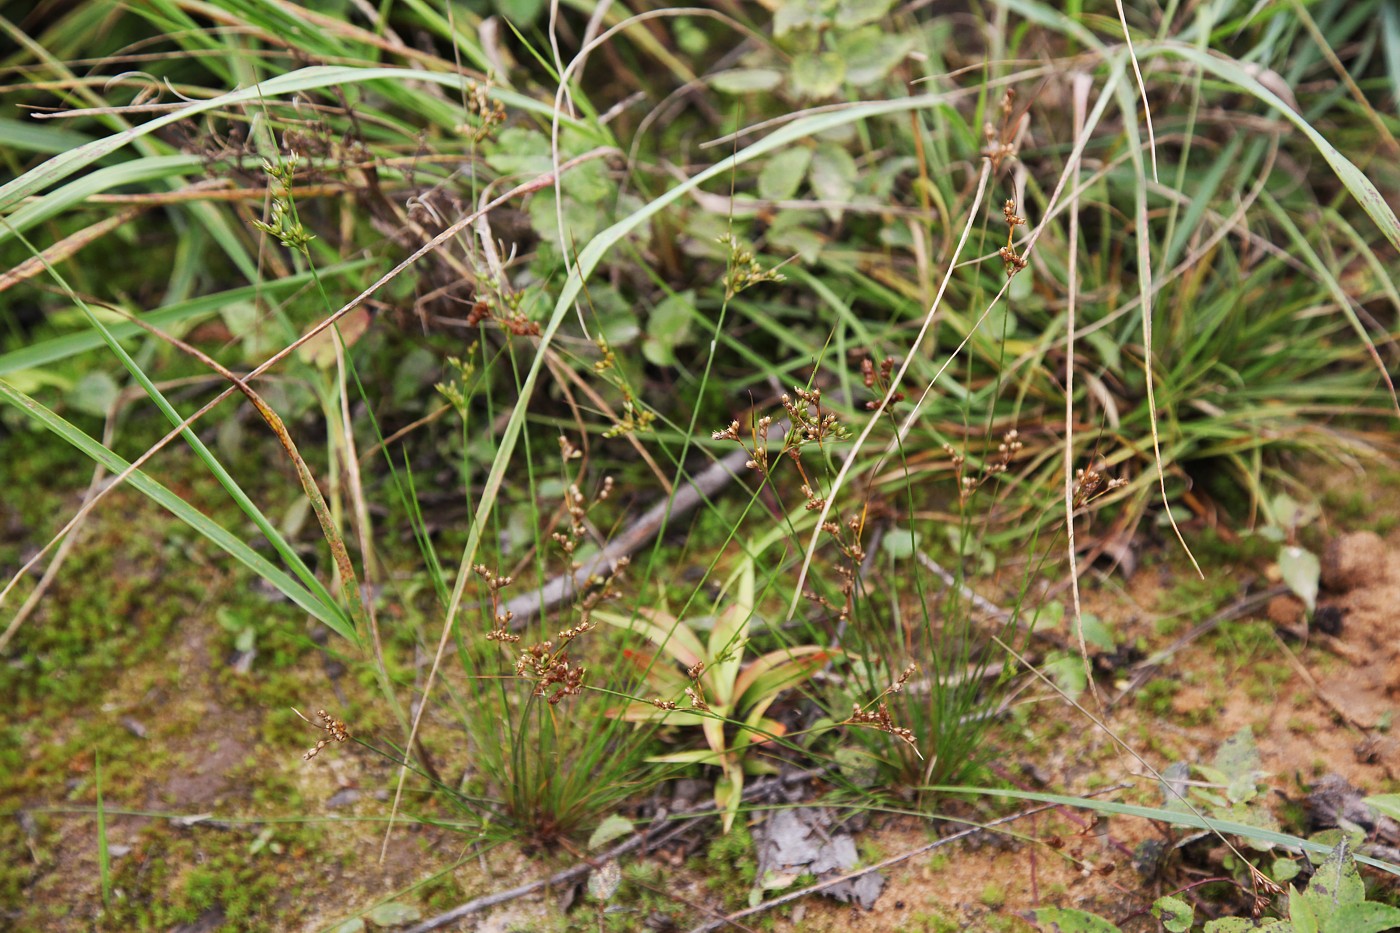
1346	171
304	79
61	348
1173	817
178	507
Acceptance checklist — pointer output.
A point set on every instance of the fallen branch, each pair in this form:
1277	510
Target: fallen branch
893	860
580	871
647	526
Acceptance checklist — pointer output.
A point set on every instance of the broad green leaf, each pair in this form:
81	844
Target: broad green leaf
1067	672
1097	632
1300	912
852	13
816	75
353	925
1367	917
1175	914
901	543
772	673
871	54
1230	925
604	881
783	174
94	393
730	638
393	914
1283	870
1386	804
729	794
662	630
1173	786
1238	756
1335	883
833	176
799	14
615	826
668	327
746	80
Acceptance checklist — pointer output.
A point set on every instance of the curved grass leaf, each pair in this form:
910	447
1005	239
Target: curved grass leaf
239	550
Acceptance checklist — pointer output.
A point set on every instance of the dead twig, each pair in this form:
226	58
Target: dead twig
892	860
645	527
685	822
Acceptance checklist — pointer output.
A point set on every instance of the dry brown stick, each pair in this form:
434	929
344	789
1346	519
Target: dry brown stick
577	872
66	247
850	876
647	525
978	602
350	584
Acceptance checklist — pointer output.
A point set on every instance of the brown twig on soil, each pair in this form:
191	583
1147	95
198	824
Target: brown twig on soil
892	860
645	527
685	822
977	602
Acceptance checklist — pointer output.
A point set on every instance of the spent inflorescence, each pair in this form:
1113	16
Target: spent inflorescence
489	112
500	619
1001	144
879	718
1014	261
577	505
810	422
1093	482
882	380
335	731
1007	450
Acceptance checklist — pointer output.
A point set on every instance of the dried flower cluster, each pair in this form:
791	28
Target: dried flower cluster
490	112
577	506
881	379
1091	483
500	621
880	718
812	423
1013	260
1001	145
334	728
1007	450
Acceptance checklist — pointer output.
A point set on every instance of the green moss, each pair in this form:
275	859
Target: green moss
993	895
1155	696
